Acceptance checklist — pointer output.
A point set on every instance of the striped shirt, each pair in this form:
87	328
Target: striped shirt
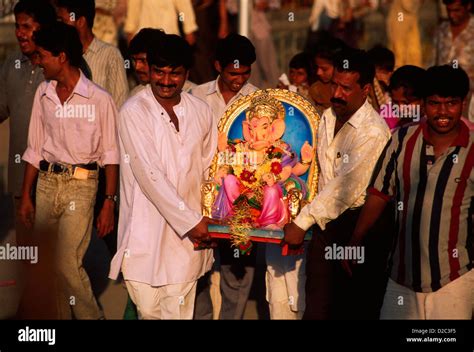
434	244
108	69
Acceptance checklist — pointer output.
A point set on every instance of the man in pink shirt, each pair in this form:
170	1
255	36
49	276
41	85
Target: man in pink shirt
72	132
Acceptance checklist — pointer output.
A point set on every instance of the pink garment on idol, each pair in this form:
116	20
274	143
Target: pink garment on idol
228	193
274	211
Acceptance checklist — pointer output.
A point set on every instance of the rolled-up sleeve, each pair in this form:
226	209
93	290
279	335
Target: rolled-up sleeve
108	124
36	133
340	193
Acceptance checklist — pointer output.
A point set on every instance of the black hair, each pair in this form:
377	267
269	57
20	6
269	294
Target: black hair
382	57
303	60
411	78
60	38
447	81
463	2
40	10
172	50
235	47
146	38
356	60
329	48
80	8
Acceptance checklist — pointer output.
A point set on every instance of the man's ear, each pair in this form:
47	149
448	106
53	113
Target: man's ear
81	22
366	89
62	57
217	66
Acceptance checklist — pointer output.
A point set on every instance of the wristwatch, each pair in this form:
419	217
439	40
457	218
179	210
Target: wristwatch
112	197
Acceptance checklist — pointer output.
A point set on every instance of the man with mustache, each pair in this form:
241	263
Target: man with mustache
351	137
167	140
139	45
429	170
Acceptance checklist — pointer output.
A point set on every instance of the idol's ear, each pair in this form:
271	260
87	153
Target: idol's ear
277	129
246	131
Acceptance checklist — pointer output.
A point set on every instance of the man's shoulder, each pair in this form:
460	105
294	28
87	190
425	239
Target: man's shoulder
375	121
42	87
196	101
97	91
202	90
248	88
400	133
134	104
104	48
15	61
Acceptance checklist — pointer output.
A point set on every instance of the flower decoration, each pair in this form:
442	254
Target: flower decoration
276	167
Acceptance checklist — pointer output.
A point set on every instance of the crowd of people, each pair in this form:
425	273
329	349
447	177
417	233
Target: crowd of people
91	154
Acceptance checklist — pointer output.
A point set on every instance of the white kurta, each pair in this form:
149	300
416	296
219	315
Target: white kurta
160	178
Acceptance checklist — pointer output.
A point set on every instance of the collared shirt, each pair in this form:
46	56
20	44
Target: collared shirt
160	180
80	131
211	94
461	49
19	80
108	69
162	14
435	203
346	162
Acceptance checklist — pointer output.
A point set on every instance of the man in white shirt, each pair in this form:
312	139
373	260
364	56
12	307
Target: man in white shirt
234	57
138	47
351	137
167	140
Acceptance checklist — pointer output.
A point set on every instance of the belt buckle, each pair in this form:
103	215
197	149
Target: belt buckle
80	173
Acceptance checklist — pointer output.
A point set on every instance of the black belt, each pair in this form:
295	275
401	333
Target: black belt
60	168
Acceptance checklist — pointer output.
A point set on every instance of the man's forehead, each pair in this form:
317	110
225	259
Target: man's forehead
457	4
169	68
236	68
442	99
346	76
26	18
141	55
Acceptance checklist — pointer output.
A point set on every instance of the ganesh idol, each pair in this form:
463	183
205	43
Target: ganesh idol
255	182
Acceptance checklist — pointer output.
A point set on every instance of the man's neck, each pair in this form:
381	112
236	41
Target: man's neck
227	94
168	104
457	29
86	39
445	139
67	80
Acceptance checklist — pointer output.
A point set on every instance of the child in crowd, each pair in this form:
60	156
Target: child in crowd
301	75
